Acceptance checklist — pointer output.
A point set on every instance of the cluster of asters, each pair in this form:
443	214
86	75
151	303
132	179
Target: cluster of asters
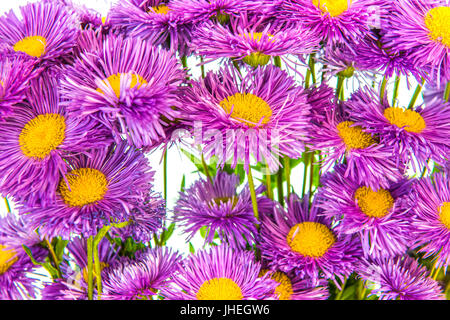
85	98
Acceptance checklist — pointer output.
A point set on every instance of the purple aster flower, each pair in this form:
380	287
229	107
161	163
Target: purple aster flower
373	53
62	290
101	187
38	138
262	113
431	223
341	140
129	85
341	21
421	28
14	76
141	278
198	11
341	61
416	134
153	20
399	278
380	217
87	17
15	265
221	209
221	273
292	287
17	231
322	99
45	35
301	241
145	219
252	40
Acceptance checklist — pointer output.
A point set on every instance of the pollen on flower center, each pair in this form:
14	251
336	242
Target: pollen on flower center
444	214
115	79
437	20
219	289
7	258
162	9
284	289
33	46
310	239
42	134
353	136
247	108
333	7
411	120
86	185
374	204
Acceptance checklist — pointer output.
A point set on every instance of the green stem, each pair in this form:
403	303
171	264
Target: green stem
383	89
416	94
280	186
311	175
361	290
305	171
396	86
447	92
205	167
252	193
97	270
202	67
277	61
90	279
312	64
287	173
269	183
165	174
53	255
339	86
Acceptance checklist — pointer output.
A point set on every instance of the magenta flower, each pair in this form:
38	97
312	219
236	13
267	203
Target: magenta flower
263	114
300	240
128	85
220	273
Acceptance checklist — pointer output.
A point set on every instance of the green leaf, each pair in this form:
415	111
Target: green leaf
168	233
59	245
203	231
54	273
191	248
349	293
183	183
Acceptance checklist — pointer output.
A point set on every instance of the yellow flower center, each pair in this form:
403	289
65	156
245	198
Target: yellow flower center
333	7
114	81
87	186
444	214
353	136
247	108
374	204
411	120
33	46
162	9
310	239
219	289
42	134
437	20
284	289
7	258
